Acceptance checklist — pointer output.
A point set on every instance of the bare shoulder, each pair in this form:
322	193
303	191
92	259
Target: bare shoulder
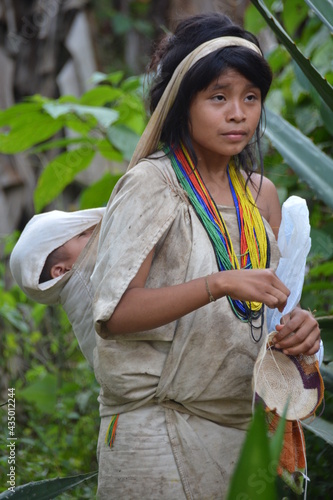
266	197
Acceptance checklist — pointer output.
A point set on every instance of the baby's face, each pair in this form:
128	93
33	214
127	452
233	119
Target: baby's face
75	245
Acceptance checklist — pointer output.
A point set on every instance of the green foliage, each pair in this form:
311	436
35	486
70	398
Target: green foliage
56	420
323	88
99	192
47	489
26	125
321	428
256	470
59	173
42	392
108	119
323	9
117	25
57	414
308	161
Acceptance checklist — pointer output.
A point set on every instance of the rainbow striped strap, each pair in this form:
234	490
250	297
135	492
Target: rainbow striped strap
111	432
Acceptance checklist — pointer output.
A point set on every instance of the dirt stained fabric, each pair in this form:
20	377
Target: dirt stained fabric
190	379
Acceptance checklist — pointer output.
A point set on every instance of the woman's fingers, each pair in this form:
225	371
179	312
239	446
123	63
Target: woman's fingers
299	334
257	285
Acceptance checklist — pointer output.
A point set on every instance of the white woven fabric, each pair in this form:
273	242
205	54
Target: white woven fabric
43	234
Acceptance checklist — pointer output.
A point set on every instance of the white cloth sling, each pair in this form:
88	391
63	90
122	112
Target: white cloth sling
44	233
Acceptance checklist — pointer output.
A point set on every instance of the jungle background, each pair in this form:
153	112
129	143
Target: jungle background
72	95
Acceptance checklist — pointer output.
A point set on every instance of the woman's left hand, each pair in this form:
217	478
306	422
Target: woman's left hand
299	333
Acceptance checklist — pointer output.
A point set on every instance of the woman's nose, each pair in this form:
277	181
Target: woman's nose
236	111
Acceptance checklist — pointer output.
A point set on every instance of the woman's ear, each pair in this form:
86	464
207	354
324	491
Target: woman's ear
59	269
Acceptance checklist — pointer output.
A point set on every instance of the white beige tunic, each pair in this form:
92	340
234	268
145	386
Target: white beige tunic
189	382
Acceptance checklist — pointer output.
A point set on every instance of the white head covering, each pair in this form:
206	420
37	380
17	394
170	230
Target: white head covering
43	234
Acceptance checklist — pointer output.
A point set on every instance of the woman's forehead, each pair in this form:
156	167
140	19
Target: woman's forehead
227	79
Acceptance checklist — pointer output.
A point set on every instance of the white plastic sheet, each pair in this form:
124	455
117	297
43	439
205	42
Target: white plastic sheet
294	243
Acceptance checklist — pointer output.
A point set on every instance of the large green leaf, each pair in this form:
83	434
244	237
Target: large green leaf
293	14
104	116
326	371
108	151
59	173
255	473
324	10
42	393
46	489
101	95
321	428
124	139
299	152
26	128
321	246
99	193
324	89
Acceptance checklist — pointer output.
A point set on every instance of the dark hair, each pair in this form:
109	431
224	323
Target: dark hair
188	35
53	258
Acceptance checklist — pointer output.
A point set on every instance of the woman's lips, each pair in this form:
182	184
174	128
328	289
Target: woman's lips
235	134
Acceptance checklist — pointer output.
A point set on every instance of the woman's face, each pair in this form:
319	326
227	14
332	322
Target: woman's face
224	117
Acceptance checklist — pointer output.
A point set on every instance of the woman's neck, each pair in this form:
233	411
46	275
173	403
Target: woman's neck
216	179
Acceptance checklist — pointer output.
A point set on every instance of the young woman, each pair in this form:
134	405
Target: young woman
185	269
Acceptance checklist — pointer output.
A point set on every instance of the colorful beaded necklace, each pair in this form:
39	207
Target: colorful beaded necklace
254	243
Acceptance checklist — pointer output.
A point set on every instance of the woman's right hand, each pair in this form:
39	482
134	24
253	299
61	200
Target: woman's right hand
252	285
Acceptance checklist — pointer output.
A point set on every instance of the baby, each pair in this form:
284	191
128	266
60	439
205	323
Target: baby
52	263
62	259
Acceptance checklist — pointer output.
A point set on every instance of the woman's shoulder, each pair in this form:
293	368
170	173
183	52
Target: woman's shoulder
153	168
156	162
267	200
151	181
261	186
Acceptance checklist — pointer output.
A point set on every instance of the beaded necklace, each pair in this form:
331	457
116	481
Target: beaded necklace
254	243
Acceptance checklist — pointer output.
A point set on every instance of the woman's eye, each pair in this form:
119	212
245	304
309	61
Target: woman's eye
251	97
218	97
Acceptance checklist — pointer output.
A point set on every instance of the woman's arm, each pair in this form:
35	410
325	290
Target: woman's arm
143	308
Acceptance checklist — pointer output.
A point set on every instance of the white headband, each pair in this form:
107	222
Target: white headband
151	136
